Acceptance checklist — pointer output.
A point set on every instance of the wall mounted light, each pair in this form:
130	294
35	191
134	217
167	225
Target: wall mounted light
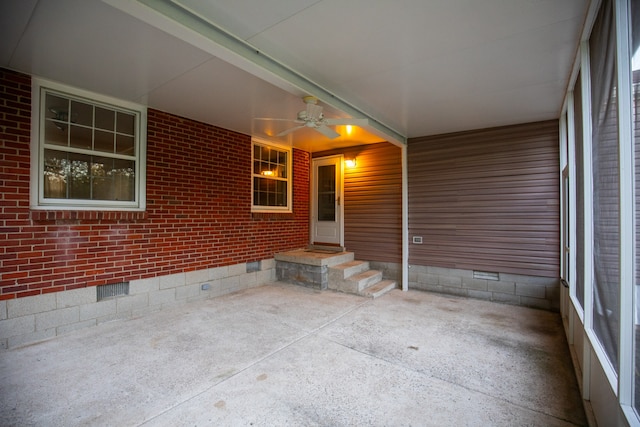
350	162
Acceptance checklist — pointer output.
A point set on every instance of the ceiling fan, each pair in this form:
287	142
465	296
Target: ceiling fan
312	117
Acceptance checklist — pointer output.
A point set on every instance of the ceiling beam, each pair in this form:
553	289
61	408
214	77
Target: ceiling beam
238	52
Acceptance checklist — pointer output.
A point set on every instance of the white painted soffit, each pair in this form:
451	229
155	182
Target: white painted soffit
195	30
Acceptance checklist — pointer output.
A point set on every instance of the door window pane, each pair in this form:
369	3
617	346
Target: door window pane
327	193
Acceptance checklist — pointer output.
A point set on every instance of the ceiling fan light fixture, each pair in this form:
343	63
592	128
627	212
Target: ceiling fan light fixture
313	117
310	100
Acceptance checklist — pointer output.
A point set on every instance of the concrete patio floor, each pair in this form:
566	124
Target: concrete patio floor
287	355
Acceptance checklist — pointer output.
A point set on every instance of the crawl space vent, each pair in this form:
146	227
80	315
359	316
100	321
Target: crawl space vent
253	266
112	290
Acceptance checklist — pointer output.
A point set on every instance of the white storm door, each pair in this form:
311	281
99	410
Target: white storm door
326	201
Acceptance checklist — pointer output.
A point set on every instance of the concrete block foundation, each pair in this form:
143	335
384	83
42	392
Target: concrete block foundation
27	320
516	289
314	276
308	268
528	291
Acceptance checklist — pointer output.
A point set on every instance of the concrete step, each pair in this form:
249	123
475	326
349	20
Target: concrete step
339	258
356	277
356	283
378	289
326	248
347	269
320	259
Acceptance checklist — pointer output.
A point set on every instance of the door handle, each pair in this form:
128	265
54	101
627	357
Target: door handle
338	200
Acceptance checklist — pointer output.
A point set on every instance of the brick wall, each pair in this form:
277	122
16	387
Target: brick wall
198	212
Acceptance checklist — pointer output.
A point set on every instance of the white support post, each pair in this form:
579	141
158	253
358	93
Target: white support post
405	221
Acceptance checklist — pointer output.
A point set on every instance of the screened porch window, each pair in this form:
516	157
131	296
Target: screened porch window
606	184
579	160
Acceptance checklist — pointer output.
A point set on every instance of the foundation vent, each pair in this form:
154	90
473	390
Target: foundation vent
112	290
487	275
253	266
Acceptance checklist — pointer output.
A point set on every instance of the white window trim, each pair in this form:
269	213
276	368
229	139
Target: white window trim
37	200
273	209
627	204
571	163
587	170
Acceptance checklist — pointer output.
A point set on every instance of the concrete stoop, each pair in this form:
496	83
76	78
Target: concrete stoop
356	277
338	271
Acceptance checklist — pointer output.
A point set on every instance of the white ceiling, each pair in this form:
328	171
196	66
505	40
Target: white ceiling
417	67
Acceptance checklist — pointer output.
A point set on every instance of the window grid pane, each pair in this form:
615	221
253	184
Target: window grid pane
105	119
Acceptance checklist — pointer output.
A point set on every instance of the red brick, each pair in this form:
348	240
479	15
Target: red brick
198	209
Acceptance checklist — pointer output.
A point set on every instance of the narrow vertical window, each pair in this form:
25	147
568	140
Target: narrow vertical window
606	184
579	162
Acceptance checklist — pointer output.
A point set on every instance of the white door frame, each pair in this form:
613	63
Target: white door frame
338	160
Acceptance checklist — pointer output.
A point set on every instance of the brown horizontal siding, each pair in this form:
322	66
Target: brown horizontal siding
487	199
373	202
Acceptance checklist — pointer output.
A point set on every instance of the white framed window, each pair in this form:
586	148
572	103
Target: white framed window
271	177
88	150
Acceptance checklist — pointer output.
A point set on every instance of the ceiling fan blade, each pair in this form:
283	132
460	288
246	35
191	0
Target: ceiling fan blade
271	119
327	131
288	131
353	122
